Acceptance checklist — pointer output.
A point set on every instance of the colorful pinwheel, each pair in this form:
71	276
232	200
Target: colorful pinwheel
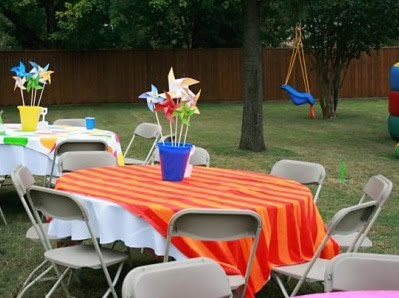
20	70
180	104
19	83
176	85
36	79
152	97
33	83
168	106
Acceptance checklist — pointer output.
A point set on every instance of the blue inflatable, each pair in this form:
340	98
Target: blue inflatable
298	98
394	78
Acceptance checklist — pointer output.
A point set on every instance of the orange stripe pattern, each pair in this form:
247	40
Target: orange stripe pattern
292	225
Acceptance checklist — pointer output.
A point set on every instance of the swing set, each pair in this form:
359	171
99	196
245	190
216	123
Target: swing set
299	98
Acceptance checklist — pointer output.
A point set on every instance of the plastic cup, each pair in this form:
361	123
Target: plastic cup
90	123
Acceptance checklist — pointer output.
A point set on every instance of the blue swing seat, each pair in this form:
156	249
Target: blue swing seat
298	98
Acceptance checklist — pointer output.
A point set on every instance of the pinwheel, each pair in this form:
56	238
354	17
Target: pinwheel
36	79
152	97
168	106
176	85
34	85
20	70
45	77
20	83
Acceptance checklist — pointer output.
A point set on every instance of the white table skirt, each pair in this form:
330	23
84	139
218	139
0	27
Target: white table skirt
13	155
112	222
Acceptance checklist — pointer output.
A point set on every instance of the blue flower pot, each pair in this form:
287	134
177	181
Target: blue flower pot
173	160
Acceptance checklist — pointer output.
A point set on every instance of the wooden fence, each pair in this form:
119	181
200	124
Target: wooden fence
121	75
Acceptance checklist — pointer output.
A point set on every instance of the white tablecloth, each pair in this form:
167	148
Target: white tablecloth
112	222
35	150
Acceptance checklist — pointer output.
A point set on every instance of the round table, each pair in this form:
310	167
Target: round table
355	294
292	225
35	150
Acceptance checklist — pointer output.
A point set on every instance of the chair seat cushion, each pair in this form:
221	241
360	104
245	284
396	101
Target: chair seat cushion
32	235
84	256
133	161
296	271
344	241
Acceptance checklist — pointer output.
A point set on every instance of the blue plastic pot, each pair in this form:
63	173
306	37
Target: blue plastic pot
173	161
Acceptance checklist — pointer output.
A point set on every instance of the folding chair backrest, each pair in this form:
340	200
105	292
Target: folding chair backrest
22	179
194	278
361	271
301	171
80	122
345	221
80	145
351	219
216	224
78	160
56	204
200	157
147	131
378	188
76	145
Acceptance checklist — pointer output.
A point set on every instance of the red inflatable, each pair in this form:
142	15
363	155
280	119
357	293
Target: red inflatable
394	103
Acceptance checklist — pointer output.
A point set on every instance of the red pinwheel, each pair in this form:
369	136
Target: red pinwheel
168	106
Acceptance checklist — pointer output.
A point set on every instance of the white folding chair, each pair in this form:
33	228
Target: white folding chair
64	206
22	180
149	131
347	220
362	272
73	145
194	278
200	157
78	160
218	225
301	171
377	189
79	122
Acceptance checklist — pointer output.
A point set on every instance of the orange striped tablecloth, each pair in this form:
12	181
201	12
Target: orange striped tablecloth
292	225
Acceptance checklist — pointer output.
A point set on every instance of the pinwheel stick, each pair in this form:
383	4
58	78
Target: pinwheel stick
41	94
185	135
22	96
156	116
31	98
171	133
181	132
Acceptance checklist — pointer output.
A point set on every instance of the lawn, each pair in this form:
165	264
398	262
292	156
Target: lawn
357	137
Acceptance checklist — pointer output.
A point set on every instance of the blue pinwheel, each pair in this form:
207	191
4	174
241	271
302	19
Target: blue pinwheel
37	69
152	97
20	70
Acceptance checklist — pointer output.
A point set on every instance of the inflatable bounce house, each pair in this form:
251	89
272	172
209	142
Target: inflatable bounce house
393	119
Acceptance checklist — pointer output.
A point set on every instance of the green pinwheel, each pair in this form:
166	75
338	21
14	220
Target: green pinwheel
33	83
184	112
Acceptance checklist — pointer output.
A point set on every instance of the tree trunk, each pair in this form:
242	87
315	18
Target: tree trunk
252	118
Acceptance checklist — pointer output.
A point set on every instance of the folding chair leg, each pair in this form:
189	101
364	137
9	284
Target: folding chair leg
25	287
33	273
111	288
61	277
281	285
3	217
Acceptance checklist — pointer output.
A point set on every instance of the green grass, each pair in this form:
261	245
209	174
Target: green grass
358	137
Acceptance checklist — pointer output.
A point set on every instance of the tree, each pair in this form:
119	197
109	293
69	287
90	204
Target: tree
338	31
252	117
